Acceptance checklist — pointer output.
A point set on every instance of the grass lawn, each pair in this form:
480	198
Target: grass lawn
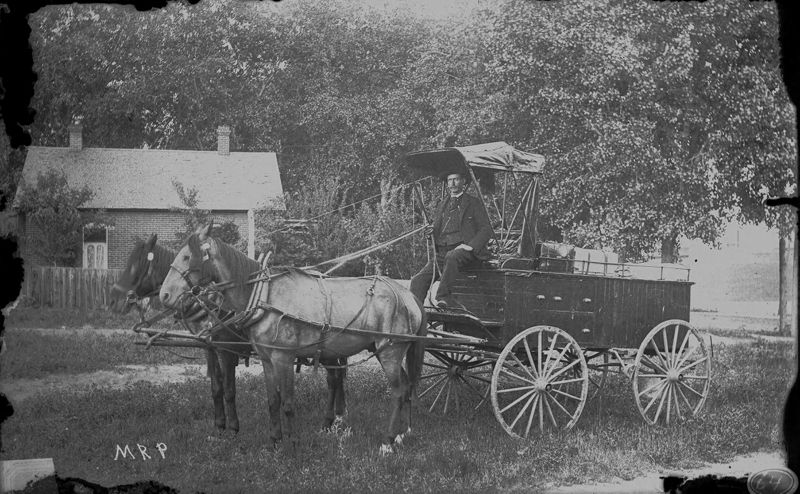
33	354
455	453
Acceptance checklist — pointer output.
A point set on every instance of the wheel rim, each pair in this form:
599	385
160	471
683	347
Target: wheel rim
534	387
672	373
454	380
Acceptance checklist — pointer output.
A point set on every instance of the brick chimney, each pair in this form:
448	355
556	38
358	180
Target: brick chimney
224	140
76	136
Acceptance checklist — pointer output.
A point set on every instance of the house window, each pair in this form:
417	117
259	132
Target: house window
95	247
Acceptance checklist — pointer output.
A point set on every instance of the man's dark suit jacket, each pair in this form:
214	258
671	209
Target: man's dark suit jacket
476	230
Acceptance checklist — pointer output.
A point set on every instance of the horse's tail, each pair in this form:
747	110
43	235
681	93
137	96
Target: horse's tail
416	353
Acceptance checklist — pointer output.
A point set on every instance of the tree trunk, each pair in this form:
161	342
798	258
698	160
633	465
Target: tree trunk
669	249
787	281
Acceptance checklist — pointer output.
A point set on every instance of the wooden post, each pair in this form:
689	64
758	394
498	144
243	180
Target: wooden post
787	281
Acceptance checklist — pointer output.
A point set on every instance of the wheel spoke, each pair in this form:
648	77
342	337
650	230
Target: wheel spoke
683	343
686	400
560	356
563	369
693	364
666	346
539	350
449	386
510	405
530	358
577	379
658	352
674	352
659	383
705	378
561	407
512	374
432	386
536	400
654	398
692	390
660	403
438	395
470	386
524	367
677	403
686	357
652	365
541	411
510	390
550	410
550	352
437	366
524	409
433	374
669	400
566	394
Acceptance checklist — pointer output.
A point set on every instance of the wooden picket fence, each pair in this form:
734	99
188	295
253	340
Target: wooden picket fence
69	287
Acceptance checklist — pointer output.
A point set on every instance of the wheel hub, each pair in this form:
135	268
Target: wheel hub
542	385
673	375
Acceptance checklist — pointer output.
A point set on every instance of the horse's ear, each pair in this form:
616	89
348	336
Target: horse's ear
151	242
205	232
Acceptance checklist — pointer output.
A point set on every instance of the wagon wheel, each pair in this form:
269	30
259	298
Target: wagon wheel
671	373
454	379
540	378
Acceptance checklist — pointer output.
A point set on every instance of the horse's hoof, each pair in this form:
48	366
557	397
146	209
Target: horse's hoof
386	449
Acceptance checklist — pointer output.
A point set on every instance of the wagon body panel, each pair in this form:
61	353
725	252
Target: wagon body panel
598	311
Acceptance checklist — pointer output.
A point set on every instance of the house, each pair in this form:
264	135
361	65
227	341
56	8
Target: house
135	188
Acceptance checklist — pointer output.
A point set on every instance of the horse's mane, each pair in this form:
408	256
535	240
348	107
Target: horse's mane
162	258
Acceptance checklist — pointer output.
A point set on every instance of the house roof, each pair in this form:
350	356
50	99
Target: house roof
142	178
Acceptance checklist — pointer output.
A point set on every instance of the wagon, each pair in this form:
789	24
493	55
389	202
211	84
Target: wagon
543	324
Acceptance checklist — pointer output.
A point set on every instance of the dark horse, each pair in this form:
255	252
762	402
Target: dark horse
307	315
148	265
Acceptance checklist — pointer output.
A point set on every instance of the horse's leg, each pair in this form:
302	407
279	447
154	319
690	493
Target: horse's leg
336	399
339	405
229	361
273	399
215	374
282	364
391	359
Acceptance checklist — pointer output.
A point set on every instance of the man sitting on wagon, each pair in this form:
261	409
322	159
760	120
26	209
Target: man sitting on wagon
460	230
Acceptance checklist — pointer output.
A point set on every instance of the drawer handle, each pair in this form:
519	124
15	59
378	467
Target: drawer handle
587	300
557	298
540	297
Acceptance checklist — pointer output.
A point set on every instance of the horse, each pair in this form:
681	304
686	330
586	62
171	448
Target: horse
147	266
308	315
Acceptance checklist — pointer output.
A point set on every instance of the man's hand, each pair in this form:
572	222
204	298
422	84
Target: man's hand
428	230
465	247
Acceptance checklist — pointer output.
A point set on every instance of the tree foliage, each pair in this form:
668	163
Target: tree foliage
195	217
658	119
52	211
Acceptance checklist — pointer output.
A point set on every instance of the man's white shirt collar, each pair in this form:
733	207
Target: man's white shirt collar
457	196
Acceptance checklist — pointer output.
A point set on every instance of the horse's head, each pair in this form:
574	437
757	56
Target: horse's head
137	279
194	267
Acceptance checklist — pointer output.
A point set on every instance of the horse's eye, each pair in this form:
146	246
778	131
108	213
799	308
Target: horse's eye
186	258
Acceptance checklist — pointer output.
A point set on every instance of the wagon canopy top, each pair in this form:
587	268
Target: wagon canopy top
497	156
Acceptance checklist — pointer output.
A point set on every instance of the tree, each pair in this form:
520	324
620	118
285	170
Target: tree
195	217
641	116
52	210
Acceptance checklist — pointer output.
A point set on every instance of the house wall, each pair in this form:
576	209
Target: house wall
132	224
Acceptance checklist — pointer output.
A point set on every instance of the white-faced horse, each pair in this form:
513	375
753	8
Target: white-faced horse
311	316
